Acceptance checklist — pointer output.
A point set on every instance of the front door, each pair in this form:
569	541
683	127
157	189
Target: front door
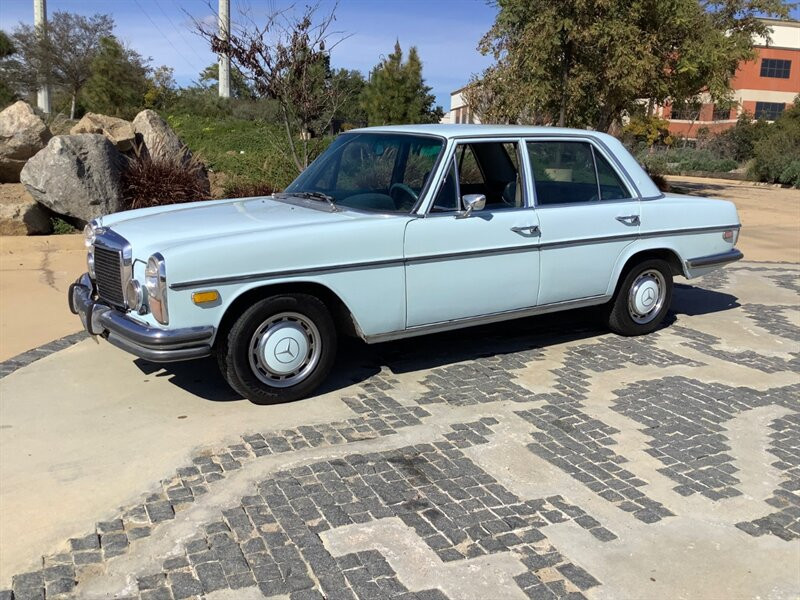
587	216
458	266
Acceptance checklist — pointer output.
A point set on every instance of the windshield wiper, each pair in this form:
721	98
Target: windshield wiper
314	196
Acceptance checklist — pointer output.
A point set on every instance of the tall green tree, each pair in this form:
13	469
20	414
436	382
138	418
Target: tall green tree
396	92
209	78
7	49
62	55
585	63
119	81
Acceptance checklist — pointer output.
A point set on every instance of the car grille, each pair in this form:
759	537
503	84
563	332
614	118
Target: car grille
108	273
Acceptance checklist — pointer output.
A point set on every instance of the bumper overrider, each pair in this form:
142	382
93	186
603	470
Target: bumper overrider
150	343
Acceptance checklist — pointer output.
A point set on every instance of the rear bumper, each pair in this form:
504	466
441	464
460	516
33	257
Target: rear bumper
715	260
150	343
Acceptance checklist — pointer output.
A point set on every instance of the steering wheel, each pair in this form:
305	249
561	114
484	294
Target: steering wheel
402	187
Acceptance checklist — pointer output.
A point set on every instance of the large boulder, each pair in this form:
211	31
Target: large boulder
159	141
22	134
118	131
77	176
20	214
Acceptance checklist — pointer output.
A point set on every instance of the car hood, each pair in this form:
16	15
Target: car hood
177	224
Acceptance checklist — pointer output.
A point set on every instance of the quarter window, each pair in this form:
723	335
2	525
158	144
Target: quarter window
775	67
572	172
769	110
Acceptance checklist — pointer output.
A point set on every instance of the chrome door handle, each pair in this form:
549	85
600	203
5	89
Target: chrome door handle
530	229
629	220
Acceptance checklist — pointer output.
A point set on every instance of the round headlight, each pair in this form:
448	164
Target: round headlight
88	234
134	296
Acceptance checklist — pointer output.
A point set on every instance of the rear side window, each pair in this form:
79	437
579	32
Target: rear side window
572	173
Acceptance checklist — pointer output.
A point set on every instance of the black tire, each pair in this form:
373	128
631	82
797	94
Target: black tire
248	373
621	311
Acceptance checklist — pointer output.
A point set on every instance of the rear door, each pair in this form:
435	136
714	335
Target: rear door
587	216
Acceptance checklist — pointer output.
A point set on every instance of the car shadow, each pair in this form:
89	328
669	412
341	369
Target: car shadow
357	361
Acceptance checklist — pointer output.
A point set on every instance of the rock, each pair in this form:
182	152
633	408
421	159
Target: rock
160	142
77	176
22	134
20	214
119	131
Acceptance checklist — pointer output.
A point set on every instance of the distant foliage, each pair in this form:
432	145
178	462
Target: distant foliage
646	132
777	153
397	94
119	80
737	142
682	160
155	182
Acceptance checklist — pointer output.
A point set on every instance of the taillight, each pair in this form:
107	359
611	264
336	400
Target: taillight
730	235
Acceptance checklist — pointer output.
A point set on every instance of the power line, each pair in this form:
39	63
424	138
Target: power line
169	41
178	30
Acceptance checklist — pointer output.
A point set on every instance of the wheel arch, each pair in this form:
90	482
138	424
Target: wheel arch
342	316
634	255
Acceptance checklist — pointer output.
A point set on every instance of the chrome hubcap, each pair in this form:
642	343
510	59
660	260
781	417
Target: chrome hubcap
646	296
285	349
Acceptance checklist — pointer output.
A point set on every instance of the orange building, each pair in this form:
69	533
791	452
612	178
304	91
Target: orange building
762	87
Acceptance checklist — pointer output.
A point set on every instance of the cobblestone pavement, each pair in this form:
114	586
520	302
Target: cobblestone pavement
545	467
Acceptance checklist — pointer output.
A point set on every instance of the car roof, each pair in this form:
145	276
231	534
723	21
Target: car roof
450	130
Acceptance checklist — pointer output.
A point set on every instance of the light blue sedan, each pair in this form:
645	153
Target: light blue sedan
395	232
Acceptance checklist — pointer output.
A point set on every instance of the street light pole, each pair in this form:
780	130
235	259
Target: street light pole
224	59
40	23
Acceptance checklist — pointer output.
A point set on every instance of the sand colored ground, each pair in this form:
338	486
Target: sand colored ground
35	272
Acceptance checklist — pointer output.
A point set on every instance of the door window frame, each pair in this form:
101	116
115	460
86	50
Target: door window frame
620	172
449	159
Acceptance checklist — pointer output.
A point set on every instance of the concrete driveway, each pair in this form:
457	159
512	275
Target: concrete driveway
538	459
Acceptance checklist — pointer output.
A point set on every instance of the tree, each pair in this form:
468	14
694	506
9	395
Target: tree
119	80
63	55
585	64
161	89
351	84
209	78
287	59
7	49
396	92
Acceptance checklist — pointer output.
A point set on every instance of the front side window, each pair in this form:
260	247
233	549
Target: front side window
769	110
775	67
383	172
488	168
572	173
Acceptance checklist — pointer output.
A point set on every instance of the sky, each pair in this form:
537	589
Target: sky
445	32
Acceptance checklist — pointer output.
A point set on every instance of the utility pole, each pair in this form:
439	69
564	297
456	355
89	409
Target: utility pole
40	23
224	59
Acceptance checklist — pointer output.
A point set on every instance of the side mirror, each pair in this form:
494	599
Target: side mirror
472	202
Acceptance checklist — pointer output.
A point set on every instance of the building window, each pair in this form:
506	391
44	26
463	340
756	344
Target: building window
769	110
721	113
687	111
775	67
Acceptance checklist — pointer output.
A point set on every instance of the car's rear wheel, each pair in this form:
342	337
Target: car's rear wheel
280	349
642	299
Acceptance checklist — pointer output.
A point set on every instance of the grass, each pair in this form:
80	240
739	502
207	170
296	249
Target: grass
249	152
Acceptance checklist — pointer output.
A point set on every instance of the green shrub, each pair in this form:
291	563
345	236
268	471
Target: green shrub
776	154
679	160
738	142
61	227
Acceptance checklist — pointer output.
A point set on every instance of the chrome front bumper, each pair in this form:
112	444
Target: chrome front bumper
150	343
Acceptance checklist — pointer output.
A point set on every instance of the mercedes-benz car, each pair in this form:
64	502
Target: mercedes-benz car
395	232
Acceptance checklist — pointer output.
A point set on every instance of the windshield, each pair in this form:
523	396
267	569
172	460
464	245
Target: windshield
383	172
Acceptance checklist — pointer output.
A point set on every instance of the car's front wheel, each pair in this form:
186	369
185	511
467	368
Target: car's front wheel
280	349
642	298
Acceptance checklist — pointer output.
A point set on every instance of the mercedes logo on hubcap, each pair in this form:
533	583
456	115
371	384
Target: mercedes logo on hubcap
648	297
286	350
